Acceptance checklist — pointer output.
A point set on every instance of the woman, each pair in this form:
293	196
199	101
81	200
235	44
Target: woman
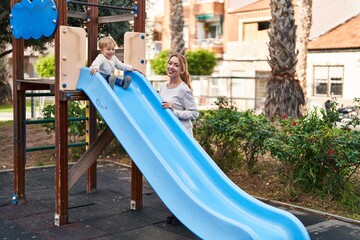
177	91
176	94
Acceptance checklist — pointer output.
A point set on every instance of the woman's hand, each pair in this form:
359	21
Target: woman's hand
167	105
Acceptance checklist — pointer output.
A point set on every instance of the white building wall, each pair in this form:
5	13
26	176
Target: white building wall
351	62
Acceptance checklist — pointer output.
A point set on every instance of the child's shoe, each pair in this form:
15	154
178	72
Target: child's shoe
112	80
126	82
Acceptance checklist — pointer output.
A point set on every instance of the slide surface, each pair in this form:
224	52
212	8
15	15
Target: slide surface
183	175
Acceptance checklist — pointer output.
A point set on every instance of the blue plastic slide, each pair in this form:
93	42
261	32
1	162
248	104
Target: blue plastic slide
187	180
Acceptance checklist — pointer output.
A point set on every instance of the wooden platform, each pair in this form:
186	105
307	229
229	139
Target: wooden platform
49	84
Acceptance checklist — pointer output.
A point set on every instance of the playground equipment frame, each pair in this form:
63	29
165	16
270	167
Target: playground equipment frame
64	178
101	5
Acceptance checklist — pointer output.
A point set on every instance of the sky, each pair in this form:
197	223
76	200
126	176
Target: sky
331	13
235	4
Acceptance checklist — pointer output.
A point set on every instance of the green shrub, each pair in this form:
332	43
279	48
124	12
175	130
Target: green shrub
217	132
200	62
315	155
227	135
253	131
159	63
45	66
76	128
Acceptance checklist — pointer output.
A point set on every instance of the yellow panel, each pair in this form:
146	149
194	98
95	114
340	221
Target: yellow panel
72	56
134	50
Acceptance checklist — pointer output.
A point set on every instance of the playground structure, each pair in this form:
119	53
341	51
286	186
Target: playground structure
183	175
69	58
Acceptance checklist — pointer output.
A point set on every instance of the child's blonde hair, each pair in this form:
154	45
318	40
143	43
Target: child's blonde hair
105	41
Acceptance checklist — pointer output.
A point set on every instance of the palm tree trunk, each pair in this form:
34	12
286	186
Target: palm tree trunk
305	22
177	26
283	92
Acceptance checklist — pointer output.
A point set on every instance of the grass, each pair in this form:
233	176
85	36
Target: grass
3	123
8	108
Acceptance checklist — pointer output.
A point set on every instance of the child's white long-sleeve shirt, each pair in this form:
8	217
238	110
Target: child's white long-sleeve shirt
107	66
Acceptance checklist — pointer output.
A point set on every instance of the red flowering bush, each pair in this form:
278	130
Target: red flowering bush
315	156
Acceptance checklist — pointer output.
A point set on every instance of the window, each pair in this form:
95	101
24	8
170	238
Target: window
157	36
208	26
328	80
213	30
255	30
263	25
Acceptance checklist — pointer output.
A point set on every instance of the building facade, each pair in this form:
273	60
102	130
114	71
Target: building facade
237	32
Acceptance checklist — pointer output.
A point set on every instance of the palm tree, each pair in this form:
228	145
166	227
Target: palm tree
283	91
177	26
305	21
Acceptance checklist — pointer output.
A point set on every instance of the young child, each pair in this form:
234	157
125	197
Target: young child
106	62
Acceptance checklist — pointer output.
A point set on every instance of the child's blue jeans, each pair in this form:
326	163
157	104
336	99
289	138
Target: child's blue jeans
117	81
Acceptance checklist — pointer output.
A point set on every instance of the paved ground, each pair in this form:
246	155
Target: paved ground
6	116
9	116
106	214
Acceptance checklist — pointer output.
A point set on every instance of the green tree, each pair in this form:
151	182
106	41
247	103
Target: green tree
6	35
115	29
5	43
284	94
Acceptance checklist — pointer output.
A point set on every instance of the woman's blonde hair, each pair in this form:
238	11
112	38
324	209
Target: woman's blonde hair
185	76
105	41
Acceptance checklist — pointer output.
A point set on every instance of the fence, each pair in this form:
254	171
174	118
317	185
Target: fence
244	92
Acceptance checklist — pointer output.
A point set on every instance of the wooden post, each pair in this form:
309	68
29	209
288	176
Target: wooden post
136	175
19	114
91	110
61	130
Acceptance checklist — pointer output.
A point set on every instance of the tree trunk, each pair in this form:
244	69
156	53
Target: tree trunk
5	89
305	22
5	92
177	26
283	92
